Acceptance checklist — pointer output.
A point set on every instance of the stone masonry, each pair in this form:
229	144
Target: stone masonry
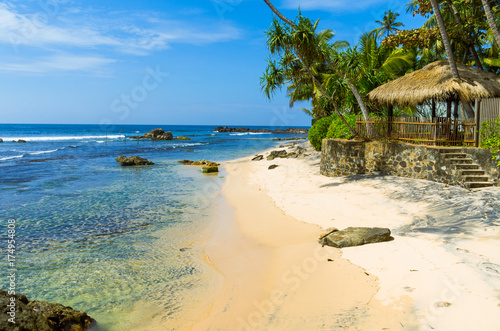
350	157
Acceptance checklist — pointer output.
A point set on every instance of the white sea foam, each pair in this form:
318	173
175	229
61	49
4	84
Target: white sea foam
11	157
58	138
44	152
247	133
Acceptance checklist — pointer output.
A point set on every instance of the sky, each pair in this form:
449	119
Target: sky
156	61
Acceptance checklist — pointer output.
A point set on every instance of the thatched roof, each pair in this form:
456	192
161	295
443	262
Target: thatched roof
434	82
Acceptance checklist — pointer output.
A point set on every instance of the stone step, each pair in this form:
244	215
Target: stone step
461	161
473	179
455	155
478	184
467	166
473	172
449	150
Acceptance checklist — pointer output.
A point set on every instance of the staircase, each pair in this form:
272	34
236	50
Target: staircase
471	174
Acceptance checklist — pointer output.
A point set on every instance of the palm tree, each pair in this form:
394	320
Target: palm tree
308	53
491	21
449	53
389	24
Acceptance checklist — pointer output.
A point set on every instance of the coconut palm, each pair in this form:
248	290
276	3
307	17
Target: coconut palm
308	50
449	52
389	24
491	21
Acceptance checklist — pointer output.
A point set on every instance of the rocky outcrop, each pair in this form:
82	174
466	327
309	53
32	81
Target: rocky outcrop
19	141
355	236
276	154
182	138
1	140
40	315
132	161
156	134
224	129
200	163
209	169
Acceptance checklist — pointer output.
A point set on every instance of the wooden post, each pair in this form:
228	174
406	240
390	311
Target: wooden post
390	115
433	108
448	108
455	109
478	122
435	120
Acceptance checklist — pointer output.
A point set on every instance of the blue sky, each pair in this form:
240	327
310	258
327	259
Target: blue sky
156	61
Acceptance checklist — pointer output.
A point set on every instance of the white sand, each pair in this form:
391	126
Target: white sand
446	252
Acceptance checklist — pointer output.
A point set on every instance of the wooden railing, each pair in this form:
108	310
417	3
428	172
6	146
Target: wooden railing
436	131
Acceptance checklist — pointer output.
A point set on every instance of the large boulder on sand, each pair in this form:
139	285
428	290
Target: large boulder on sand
132	161
40	315
276	154
355	236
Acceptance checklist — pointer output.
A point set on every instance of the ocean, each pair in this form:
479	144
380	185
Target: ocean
124	244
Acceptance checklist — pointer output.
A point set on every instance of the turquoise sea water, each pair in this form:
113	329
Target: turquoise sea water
123	244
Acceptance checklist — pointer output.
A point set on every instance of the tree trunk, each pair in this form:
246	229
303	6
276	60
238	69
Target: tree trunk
458	19
369	127
308	68
491	21
446	39
449	53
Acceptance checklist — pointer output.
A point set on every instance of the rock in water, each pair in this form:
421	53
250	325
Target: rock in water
182	138
41	315
356	236
209	169
1	140
156	134
200	162
21	141
132	161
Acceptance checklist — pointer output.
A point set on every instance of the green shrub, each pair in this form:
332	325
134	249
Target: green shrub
318	131
490	138
337	128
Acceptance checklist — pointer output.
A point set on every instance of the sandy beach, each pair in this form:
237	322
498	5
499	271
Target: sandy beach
441	271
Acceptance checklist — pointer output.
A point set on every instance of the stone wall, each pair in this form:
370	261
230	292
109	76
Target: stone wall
349	157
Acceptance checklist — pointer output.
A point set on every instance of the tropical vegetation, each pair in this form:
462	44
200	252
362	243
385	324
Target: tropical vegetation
335	77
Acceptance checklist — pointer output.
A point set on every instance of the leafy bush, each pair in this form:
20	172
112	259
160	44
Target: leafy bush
490	138
319	130
337	128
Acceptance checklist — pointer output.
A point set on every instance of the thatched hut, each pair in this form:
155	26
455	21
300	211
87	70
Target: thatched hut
434	82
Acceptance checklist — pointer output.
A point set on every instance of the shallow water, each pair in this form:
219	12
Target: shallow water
123	244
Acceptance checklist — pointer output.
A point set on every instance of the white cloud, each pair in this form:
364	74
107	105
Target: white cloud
139	34
331	5
59	63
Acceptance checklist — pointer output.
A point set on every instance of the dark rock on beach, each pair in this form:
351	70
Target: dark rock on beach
40	315
199	163
132	161
355	236
272	166
275	154
156	134
224	129
209	169
258	158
